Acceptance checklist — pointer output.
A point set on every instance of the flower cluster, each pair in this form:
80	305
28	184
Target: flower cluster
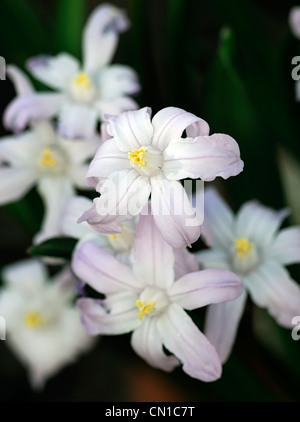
112	177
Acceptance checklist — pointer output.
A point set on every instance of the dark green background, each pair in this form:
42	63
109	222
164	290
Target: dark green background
229	62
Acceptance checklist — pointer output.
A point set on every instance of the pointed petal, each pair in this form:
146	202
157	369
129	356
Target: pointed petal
219	218
221	324
56	72
153	256
272	288
77	121
25	109
147	344
294	20
258	222
116	81
101	35
183	338
102	271
22	83
124	193
55	192
15	183
170	122
131	129
106	223
18	151
286	247
204	157
97	320
185	262
205	287
107	160
173	213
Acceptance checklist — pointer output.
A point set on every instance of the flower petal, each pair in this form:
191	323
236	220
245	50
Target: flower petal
27	108
124	193
205	287
15	183
107	223
153	256
55	193
173	213
286	247
56	72
214	258
18	151
204	157
147	344
294	20
101	34
272	288
116	81
258	223
131	129
22	83
219	218
25	273
107	160
97	320
183	338
170	122
115	106
77	121
75	207
185	262
103	271
221	324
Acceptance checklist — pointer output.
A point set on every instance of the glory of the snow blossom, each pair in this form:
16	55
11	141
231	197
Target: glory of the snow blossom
43	325
40	157
83	92
118	244
252	246
147	301
140	156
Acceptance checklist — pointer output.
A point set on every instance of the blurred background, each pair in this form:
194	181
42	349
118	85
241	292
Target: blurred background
228	62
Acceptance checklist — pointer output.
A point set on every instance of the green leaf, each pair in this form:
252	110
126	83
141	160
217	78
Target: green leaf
54	247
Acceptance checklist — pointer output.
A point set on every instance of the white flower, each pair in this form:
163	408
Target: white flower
140	156
145	299
84	93
252	247
43	326
119	244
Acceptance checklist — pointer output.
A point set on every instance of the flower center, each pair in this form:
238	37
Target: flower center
144	308
47	159
82	88
82	81
244	256
243	247
151	302
137	156
33	319
52	160
148	161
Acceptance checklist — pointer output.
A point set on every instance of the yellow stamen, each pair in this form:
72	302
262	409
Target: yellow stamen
47	159
82	81
243	247
112	236
34	319
137	156
144	309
